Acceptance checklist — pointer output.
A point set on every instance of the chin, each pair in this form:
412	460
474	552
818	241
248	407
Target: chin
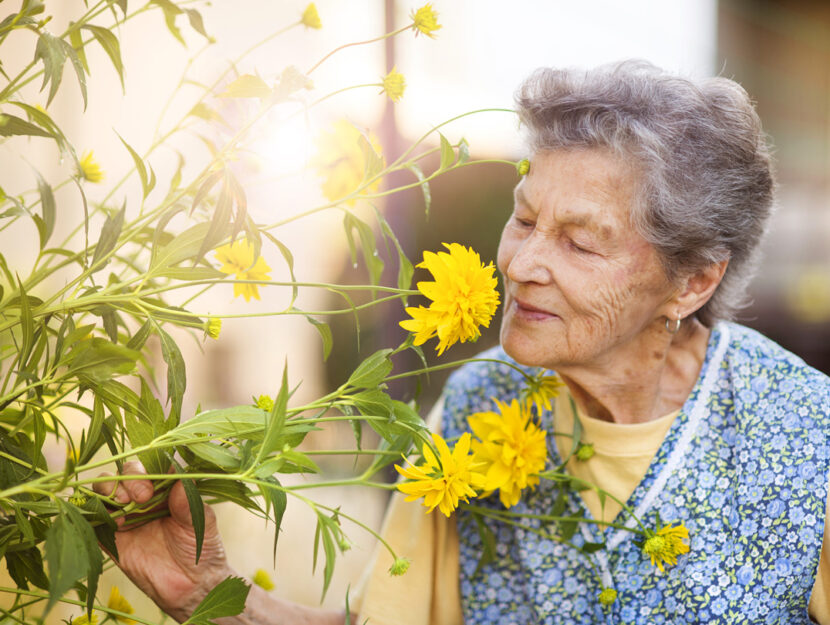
527	350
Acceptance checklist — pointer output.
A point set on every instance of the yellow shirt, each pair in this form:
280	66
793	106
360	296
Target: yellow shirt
428	594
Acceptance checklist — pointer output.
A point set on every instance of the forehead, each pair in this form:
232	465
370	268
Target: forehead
588	186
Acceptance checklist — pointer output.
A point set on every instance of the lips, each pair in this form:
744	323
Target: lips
526	310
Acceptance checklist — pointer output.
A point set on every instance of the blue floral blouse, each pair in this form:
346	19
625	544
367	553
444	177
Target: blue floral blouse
744	466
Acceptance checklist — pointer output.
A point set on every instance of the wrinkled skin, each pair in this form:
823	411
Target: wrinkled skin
159	556
586	295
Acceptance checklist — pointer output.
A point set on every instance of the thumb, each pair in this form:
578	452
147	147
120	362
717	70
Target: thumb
179	508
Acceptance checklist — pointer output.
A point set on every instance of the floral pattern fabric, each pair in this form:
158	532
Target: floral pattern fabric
744	466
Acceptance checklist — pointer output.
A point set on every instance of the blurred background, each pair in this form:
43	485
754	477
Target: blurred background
779	51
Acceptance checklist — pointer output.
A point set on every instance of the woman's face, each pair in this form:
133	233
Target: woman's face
582	287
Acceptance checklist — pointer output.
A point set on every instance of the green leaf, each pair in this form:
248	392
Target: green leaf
140	337
226	599
109	237
11	125
247	86
27	329
488	544
47	205
374	264
289	260
77	42
447	153
325	333
219	223
93	432
170	12
53	54
109	42
589	548
276	419
176	375
139	165
79	68
197	513
27	566
405	268
424	186
197	23
72	553
97	360
372	371
42	119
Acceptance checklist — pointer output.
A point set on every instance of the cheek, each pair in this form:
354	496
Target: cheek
507	248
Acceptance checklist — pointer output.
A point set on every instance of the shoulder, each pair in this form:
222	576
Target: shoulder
474	386
762	369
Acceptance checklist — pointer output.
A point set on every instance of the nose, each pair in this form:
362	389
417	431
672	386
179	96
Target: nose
529	262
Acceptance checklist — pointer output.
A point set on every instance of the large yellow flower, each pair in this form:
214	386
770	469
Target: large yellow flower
425	20
341	161
89	169
445	480
463	296
238	258
666	544
118	602
511	448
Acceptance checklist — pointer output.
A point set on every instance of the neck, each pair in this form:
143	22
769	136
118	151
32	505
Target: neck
644	380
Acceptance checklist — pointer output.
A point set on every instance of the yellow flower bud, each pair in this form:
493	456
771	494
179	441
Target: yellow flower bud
400	566
310	18
523	167
263	580
607	596
213	326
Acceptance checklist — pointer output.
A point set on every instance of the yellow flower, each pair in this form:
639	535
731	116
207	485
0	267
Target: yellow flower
263	580
425	20
540	390
463	296
607	596
238	258
118	602
394	85
213	327
310	18
511	448
445	480
265	403
666	544
84	619
523	167
89	169
341	161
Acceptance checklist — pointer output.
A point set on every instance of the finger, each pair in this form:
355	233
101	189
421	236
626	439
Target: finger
105	488
139	491
180	508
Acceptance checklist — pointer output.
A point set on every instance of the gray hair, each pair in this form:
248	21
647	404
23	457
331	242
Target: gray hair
706	187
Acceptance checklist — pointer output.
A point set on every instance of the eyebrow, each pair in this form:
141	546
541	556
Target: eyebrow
579	219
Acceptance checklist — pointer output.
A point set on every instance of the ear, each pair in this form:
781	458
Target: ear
696	290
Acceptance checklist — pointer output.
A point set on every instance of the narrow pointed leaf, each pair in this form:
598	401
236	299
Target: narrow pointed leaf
47	206
52	53
109	236
197	513
176	376
109	42
140	167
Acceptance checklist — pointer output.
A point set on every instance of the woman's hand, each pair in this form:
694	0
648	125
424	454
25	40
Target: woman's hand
160	555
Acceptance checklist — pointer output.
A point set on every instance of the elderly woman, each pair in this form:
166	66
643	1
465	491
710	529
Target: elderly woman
630	245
